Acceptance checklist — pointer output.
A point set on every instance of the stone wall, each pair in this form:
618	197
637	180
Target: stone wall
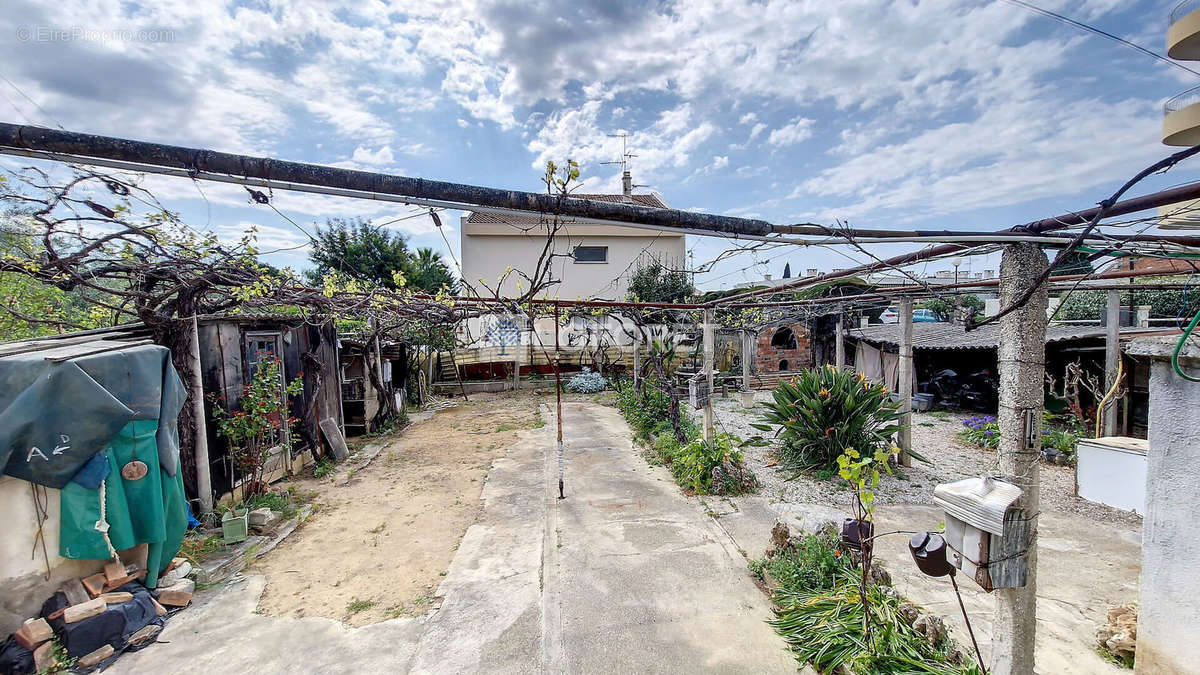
768	358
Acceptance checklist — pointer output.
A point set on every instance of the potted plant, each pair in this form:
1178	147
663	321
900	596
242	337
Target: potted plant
235	525
255	431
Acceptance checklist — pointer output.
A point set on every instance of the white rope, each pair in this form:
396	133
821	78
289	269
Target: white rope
102	524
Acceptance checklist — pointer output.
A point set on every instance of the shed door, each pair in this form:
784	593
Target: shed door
268	345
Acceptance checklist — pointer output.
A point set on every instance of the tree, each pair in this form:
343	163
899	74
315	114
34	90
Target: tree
1075	262
652	282
945	310
357	250
787	270
431	274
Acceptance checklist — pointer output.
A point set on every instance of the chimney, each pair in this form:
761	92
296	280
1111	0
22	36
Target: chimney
989	274
627	187
767	277
943	274
812	272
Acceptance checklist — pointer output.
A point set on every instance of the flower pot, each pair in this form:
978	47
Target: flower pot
235	526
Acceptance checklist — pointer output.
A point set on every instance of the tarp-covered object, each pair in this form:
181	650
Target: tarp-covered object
67	412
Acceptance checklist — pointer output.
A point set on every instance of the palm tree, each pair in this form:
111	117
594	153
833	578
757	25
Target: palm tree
431	273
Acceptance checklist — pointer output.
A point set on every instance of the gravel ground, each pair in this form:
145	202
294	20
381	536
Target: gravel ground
933	436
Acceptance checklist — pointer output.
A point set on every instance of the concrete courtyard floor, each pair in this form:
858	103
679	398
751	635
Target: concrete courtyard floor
1084	568
624	575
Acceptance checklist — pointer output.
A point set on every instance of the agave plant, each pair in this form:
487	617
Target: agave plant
824	411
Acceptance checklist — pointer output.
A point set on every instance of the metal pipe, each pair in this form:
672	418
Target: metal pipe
1133	205
138	156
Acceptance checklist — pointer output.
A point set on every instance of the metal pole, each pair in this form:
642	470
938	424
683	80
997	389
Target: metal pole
200	428
708	370
747	358
904	381
637	366
558	405
840	345
1022	356
1112	358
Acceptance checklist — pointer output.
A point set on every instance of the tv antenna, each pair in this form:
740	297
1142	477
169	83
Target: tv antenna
626	178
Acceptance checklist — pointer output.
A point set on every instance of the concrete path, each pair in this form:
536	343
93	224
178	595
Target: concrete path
625	575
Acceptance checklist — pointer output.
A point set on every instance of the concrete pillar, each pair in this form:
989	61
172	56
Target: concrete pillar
839	345
1022	355
1168	614
904	384
709	335
1112	358
200	428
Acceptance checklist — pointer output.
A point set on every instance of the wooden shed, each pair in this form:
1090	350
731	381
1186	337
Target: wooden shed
231	347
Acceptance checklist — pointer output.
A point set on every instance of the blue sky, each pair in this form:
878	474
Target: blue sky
935	113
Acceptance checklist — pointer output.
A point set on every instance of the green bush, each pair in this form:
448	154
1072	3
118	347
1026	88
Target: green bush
648	411
813	563
826	410
716	468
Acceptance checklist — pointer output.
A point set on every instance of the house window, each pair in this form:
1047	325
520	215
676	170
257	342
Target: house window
783	365
784	338
590	254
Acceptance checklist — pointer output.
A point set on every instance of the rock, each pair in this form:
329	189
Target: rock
94	658
909	612
879	575
263	518
780	535
932	627
94	584
1119	634
177	573
116	597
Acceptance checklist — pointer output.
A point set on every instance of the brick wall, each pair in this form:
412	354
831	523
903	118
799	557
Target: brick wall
767	357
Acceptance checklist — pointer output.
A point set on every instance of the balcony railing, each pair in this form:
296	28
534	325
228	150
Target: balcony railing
1181	100
1183	9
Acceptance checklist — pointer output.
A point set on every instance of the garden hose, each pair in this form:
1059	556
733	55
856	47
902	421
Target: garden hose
1113	390
1179	347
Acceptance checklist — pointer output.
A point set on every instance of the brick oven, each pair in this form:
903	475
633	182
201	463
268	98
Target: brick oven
783	348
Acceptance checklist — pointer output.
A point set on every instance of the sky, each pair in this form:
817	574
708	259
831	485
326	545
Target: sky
880	113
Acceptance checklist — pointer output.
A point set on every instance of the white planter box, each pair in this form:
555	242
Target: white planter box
1112	471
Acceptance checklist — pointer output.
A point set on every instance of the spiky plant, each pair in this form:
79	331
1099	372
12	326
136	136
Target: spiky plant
823	411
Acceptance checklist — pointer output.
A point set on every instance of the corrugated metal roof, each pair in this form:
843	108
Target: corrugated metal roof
954	336
535	218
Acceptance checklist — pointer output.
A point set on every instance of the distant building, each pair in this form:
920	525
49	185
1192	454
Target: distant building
592	261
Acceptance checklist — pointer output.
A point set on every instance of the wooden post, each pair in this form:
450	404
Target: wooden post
517	363
839	343
637	362
1022	357
1112	358
708	371
747	358
200	428
904	385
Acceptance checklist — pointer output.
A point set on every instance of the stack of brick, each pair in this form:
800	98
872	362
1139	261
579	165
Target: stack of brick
87	619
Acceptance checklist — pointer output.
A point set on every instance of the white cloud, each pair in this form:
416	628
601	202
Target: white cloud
796	131
382	156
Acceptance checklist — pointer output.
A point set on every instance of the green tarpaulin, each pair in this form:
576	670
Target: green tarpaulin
62	406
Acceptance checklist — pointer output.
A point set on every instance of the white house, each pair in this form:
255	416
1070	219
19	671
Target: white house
592	261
